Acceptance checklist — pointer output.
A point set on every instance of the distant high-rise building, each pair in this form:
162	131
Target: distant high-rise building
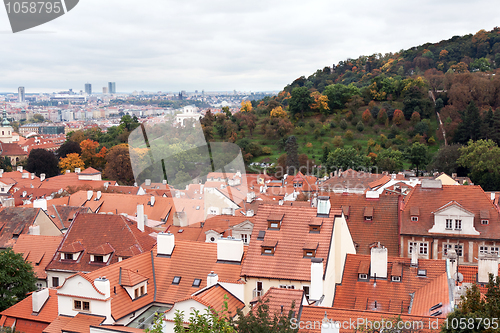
20	93
112	87
88	88
104	90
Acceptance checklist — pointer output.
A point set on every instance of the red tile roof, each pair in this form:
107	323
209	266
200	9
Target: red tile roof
350	179
15	221
383	227
280	300
24	309
349	320
129	278
214	298
430	200
94	230
288	261
386	295
11	149
38	250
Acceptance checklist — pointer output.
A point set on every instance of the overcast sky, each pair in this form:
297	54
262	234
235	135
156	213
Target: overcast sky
219	45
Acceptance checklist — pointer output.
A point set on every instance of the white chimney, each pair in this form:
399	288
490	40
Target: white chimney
25	175
250	213
78	170
492	196
378	266
165	244
42	177
487	264
316	291
250	197
103	285
140	217
38	299
32	176
147	182
98	196
164	182
40	203
229	249
20	168
68	171
90	193
414	258
153	200
34	230
212	279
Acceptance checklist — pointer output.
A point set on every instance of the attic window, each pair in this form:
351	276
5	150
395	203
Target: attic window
196	282
396	279
274	221
414	218
267	251
176	280
98	258
309	253
315	225
363	276
68	256
422	272
484	222
368	213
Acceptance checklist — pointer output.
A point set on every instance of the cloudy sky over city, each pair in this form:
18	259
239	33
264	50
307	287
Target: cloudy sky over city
220	45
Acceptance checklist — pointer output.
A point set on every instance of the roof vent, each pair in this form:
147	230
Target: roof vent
261	235
421	272
432	183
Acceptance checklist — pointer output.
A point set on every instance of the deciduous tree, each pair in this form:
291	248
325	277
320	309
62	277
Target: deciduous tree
70	162
17	278
42	161
118	165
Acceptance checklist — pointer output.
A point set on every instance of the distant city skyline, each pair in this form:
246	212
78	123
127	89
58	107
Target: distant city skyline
222	46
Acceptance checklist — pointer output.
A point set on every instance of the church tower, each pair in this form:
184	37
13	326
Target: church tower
6	130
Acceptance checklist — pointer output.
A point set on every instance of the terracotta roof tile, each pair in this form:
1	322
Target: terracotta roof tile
102	249
130	278
288	261
214	297
386	295
38	250
57	324
16	221
382	228
81	323
315	315
24	309
280	300
92	231
431	200
430	295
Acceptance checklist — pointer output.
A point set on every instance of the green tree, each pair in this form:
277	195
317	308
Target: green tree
292	157
129	123
482	158
418	155
261	320
470	127
390	160
345	158
42	161
446	160
300	102
339	94
474	306
16	278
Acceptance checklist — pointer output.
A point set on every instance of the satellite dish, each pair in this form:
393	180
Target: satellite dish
460	276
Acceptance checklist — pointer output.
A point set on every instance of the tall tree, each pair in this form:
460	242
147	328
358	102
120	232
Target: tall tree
345	158
418	155
70	162
292	157
446	158
300	102
90	154
470	127
118	165
67	148
17	278
42	161
482	158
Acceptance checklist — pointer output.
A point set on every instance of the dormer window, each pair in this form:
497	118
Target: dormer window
484	215
315	225
414	218
68	256
309	249
98	258
363	270
396	278
414	212
363	276
101	254
458	224
268	247
449	224
134	283
274	221
368	213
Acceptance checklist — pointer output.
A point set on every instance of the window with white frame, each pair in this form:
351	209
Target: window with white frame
245	238
411	246
483	249
484	222
494	250
449	224
458	224
414	218
423	248
459	249
446	247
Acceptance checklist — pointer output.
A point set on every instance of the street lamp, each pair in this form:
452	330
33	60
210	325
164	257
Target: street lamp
453	257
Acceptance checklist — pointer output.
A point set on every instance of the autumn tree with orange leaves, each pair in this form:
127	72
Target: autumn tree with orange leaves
91	156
